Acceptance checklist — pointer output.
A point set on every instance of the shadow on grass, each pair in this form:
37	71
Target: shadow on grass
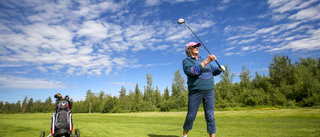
153	135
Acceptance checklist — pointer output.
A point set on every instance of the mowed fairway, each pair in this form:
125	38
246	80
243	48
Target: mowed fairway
260	123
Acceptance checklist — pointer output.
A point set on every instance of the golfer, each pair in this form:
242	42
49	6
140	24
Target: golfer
200	86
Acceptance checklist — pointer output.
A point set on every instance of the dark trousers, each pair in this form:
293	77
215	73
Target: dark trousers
195	98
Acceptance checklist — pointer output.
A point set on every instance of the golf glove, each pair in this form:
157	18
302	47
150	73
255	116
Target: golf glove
222	68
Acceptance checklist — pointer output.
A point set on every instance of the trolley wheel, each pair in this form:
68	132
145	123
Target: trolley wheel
42	134
77	132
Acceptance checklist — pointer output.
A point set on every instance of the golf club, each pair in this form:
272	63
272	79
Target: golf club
181	21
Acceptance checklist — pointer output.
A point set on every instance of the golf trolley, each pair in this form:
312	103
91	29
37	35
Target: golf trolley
61	121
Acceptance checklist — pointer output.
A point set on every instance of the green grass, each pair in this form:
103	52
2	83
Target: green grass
262	123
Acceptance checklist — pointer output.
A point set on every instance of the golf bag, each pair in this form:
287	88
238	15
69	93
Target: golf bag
61	124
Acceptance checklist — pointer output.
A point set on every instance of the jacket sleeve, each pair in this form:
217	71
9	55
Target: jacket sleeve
215	70
190	69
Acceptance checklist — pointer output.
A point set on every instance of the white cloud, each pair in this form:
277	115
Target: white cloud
60	36
121	83
93	30
294	35
279	17
12	82
276	3
299	9
85	50
91	10
282	6
122	46
152	2
263	69
163	47
222	7
245	31
288	6
158	2
306	44
267	30
228	53
86	37
231	48
226	1
178	36
247	41
312	13
245	48
158	64
71	70
254	48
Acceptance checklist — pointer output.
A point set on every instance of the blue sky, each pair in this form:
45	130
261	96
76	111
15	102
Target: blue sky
66	46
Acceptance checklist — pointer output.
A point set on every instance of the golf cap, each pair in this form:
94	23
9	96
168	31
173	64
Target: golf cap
190	44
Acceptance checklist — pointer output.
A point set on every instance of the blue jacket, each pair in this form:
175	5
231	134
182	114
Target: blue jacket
199	78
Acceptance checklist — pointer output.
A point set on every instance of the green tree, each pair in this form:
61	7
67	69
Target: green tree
131	101
109	104
244	86
80	107
245	78
24	104
1	107
48	105
166	103
157	97
179	90
138	95
8	107
148	94
17	107
306	89
166	94
123	100
30	105
38	106
263	83
281	70
225	86
89	99
177	84
224	90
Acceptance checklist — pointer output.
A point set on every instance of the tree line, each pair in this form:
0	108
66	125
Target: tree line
287	85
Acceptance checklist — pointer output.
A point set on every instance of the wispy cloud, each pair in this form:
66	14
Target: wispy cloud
158	64
311	13
223	6
228	53
282	6
309	43
121	83
76	36
11	82
295	33
158	2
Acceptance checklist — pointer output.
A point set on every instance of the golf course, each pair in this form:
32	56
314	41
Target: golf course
260	123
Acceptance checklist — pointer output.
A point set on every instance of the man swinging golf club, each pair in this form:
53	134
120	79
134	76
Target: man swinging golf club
200	86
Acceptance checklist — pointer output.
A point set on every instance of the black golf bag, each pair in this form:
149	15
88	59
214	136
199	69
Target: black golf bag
61	124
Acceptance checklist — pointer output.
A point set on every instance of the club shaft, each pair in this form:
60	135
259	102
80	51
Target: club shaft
202	44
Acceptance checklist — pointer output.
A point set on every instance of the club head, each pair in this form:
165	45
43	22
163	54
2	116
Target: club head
181	21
